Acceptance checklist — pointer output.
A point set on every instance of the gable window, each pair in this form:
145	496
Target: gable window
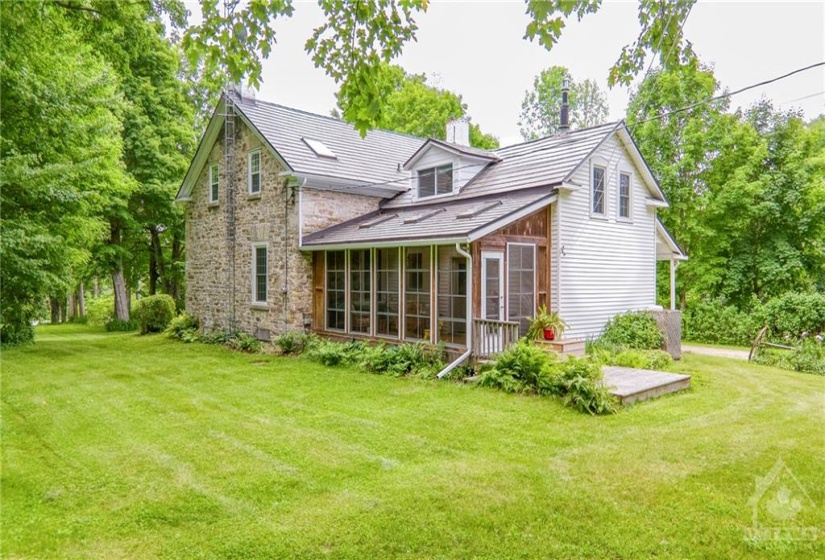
259	265
435	181
336	304
255	172
598	190
359	291
214	181
624	195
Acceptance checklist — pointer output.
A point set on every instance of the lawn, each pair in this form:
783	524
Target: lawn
121	446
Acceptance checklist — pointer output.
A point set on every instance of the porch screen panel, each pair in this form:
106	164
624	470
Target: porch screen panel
386	292
336	304
521	284
359	281
417	293
452	297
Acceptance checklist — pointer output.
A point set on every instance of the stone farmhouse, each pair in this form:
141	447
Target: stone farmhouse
296	222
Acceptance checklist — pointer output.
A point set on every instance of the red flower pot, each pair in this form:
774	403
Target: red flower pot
549	334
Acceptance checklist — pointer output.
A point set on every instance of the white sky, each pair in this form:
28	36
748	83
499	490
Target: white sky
477	49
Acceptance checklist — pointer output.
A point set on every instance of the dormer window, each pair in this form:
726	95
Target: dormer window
435	181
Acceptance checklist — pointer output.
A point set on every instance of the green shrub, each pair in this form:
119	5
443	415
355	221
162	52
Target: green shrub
713	322
214	337
417	359
636	329
579	382
522	368
334	354
289	343
183	327
154	313
243	342
792	314
119	325
641	359
16	333
100	310
809	357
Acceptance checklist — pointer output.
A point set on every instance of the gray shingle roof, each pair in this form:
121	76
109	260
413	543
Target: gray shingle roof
374	158
544	162
453	220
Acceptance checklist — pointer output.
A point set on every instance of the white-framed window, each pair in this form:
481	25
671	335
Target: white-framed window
214	182
598	199
624	195
435	181
254	166
259	273
336	290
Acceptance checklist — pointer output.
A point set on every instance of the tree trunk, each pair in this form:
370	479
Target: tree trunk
63	313
81	301
96	288
54	306
154	272
121	294
174	278
71	306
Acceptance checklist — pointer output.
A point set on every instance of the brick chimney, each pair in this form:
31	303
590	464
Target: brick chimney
564	122
458	132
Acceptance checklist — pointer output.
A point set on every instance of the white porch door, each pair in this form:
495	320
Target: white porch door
492	299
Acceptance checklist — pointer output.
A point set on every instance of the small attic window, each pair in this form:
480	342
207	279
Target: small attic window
319	148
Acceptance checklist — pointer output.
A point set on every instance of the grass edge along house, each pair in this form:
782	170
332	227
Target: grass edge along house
294	221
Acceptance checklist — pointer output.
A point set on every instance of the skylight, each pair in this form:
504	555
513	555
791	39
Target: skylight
319	148
476	210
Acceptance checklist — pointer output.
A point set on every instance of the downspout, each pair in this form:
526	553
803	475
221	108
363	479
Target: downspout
461	359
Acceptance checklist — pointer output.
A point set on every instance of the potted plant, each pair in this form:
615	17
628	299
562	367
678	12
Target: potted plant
546	325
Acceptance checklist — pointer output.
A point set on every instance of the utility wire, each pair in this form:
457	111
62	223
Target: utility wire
731	93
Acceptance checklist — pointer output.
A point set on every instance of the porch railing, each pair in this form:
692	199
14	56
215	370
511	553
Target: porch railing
493	337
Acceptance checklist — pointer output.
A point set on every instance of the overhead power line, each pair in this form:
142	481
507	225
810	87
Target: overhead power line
731	93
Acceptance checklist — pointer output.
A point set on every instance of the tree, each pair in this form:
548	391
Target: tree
680	147
410	105
541	106
61	150
358	37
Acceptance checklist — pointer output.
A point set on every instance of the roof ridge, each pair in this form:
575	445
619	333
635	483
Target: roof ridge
558	135
330	118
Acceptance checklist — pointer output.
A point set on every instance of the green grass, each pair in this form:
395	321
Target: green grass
121	446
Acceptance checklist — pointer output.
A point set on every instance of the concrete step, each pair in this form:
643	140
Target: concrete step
564	347
631	385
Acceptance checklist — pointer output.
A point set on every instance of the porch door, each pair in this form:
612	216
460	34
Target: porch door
491	336
492	285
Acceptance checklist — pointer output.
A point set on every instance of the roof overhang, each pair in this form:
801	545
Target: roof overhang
666	247
412	242
431	143
318	181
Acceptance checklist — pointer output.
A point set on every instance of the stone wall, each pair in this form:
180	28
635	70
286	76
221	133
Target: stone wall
271	217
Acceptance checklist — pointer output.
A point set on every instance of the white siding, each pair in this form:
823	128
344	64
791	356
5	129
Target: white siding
605	265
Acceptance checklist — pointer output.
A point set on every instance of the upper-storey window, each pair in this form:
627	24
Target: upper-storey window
598	190
255	172
624	195
435	181
214	181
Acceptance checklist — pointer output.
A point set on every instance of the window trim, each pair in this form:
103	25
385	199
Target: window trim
250	155
593	166
436	166
214	181
629	217
254	292
467	279
425	250
348	287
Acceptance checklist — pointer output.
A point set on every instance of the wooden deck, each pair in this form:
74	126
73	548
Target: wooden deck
632	385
